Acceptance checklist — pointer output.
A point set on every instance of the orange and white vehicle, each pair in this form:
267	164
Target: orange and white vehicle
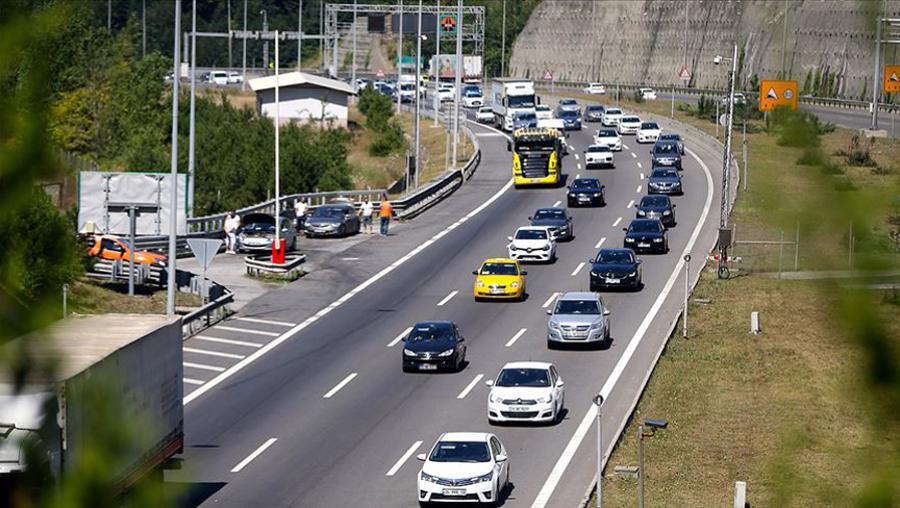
113	247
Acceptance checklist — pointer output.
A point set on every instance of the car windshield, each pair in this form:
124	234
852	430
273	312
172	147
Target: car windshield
259	227
531	234
526	117
542	108
595	108
613	111
460	451
485	110
473	93
329	211
673	137
598	148
499	269
665	148
664	173
577	307
655	201
606	133
428	332
549	214
568	113
649	125
617	257
567	102
406	87
584	183
631	119
644	226
523	377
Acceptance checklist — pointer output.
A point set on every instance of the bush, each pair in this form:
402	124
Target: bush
811	157
859	153
389	141
377	108
638	97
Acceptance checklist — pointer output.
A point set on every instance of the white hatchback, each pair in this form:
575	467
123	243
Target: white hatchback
464	467
648	94
610	138
543	112
648	132
629	125
595	89
611	117
532	243
526	391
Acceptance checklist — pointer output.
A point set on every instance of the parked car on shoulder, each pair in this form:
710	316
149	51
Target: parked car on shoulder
114	247
257	233
595	89
615	269
648	94
334	219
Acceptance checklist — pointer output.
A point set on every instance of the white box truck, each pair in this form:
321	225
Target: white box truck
510	96
135	358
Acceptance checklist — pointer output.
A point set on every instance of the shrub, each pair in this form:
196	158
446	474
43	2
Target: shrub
389	141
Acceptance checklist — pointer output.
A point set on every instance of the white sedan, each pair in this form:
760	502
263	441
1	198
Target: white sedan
532	243
610	138
446	93
595	89
648	94
484	115
611	117
464	466
629	125
648	132
599	156
543	112
526	391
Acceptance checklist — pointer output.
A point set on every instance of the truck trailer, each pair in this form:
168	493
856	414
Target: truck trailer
510	96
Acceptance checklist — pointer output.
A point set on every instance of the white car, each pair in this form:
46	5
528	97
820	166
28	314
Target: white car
738	99
595	89
648	94
543	112
219	77
472	99
526	392
629	125
599	156
611	117
446	93
648	132
532	243
610	138
485	114
464	466
235	78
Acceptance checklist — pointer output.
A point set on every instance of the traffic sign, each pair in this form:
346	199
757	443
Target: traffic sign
448	23
379	74
204	250
774	93
685	74
548	75
892	78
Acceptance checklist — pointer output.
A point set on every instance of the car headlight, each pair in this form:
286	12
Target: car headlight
629	240
407	352
479	283
484	478
658	240
595	274
446	353
641	213
546	247
554	325
633	274
543	400
666	212
496	399
428	478
514	284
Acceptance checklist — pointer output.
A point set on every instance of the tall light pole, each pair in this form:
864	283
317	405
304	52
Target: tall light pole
503	43
191	135
173	196
437	60
265	16
300	35
143	28
876	83
458	81
400	63
353	52
277	154
598	401
784	40
109	16
230	53
726	167
244	51
418	93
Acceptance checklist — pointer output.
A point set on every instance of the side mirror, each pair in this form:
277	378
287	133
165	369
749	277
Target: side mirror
524	272
509	238
501	458
529	218
549	312
639	262
625	229
673	206
421	457
560	383
538	99
462	339
474	272
590	260
606	312
489	382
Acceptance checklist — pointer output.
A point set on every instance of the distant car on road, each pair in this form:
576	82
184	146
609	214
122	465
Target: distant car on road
665	153
532	243
593	112
485	114
526	392
646	235
599	156
629	125
595	89
432	346
257	233
648	132
472	97
656	207
664	181
557	219
464	466
543	112
446	92
571	119
337	219
739	99
525	120
610	138
586	191
672	137
578	318
611	117
499	279
615	269
648	94
219	78
235	78
568	105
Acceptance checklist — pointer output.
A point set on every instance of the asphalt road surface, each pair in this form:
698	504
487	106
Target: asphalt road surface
300	399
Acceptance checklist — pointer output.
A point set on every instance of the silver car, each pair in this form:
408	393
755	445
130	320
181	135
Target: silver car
257	233
578	318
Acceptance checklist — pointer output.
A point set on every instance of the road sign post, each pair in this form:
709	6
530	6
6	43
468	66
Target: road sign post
685	76
204	250
548	76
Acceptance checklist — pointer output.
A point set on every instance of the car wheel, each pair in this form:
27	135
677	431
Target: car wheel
342	230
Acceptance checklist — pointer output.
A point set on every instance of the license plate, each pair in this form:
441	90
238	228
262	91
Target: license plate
613	281
497	291
643	245
519	408
535	180
454	492
427	366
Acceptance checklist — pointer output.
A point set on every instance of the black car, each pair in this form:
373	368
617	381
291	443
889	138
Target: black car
664	181
657	207
665	153
571	119
646	235
672	137
586	191
593	112
434	345
615	268
557	220
332	220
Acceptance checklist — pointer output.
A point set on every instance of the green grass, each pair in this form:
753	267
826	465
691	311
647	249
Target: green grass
89	296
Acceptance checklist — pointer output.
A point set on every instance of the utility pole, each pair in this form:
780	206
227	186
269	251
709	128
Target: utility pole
143	28
458	84
353	52
300	37
277	156
265	16
173	196
437	60
191	136
418	93
503	43
321	33
726	164
244	57
230	54
876	83
686	22
400	66
784	41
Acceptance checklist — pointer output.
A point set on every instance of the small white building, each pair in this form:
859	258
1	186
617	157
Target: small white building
304	97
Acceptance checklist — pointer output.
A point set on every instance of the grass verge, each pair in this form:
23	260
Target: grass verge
100	297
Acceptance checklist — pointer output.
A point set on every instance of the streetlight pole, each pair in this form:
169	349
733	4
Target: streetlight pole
353	52
458	84
726	168
230	52
244	57
173	196
503	42
687	276
400	63
300	35
436	68
277	157
265	16
192	129
876	83
418	94
598	401
143	28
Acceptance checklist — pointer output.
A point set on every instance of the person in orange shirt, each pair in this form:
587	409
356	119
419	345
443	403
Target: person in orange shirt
385	211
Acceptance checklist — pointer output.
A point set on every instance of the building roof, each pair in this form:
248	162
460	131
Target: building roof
299	78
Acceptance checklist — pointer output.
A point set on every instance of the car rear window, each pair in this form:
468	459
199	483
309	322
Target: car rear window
549	214
664	173
598	148
649	125
631	119
613	111
606	133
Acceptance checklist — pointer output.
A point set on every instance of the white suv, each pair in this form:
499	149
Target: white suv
611	117
532	243
648	132
464	466
629	125
526	392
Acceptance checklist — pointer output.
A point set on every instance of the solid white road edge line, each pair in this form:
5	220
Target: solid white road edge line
469	387
571	448
549	300
245	330
256	453
600	243
203	367
266	321
340	385
447	298
399	337
577	269
616	223
227	341
403	458
212	353
516	337
353	292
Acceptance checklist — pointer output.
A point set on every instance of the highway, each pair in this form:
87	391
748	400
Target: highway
300	400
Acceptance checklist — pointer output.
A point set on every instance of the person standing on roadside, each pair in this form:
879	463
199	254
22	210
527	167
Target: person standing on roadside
385	211
365	211
300	209
230	226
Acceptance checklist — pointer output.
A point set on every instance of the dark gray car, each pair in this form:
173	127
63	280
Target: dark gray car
332	220
557	220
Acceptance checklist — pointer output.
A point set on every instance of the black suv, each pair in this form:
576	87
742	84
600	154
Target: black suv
657	207
434	345
666	153
615	268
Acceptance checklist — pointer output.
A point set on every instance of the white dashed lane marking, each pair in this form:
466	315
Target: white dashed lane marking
516	337
400	337
469	387
639	187
447	298
340	385
577	269
630	204
600	243
549	300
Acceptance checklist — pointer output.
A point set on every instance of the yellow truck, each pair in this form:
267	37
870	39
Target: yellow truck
537	156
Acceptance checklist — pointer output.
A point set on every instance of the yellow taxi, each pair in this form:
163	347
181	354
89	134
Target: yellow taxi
499	278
